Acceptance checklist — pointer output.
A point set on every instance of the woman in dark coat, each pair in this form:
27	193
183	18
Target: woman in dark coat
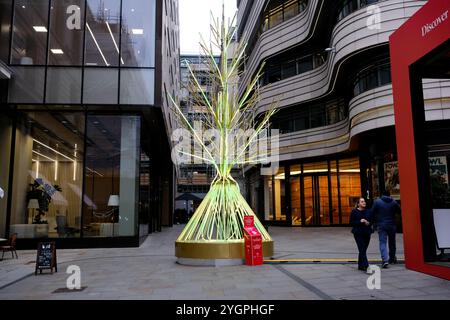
360	220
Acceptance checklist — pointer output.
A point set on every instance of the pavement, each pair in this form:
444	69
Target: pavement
150	272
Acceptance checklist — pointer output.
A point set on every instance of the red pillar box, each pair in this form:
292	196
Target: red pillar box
253	243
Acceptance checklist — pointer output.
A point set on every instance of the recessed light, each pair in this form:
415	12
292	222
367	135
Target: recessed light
57	51
132	9
23	7
40	28
137	31
64	122
96	122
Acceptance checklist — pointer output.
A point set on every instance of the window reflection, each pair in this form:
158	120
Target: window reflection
298	118
48	180
27	85
5	20
100	86
5	140
138	33
137	86
68	82
112	171
29	43
102	33
66	32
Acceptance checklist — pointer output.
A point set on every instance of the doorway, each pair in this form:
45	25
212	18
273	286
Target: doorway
316	200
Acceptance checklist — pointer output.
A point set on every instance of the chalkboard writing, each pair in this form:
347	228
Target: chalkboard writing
46	257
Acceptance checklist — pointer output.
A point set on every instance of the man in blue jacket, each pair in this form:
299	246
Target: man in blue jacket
383	215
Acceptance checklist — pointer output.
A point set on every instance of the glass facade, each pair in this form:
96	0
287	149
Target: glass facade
5	154
318	194
76	44
280	11
81	166
281	69
111	183
298	118
5	21
76	175
47	185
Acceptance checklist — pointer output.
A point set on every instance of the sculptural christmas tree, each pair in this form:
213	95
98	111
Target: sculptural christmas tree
215	231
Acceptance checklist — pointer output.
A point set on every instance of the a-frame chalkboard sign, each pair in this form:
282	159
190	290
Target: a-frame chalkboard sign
46	257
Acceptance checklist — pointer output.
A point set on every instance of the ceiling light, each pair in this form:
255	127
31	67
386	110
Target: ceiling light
137	31
57	51
40	28
132	10
23	7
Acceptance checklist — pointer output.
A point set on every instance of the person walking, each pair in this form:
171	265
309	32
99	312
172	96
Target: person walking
360	220
383	214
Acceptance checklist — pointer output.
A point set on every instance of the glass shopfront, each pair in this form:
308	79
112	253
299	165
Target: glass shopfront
5	155
76	175
313	194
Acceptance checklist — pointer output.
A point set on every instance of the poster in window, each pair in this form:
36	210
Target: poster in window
438	168
391	179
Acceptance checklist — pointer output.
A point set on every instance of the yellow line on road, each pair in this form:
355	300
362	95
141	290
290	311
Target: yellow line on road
318	260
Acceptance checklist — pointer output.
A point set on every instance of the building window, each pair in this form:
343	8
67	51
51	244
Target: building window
102	33
298	118
29	42
68	82
138	33
27	85
101	86
372	77
280	11
66	32
47	196
137	86
5	145
5	22
350	6
112	176
282	69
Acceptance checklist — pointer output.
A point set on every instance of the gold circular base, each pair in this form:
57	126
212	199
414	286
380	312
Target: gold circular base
216	249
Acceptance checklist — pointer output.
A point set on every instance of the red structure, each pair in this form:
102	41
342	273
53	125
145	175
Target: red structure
253	243
419	49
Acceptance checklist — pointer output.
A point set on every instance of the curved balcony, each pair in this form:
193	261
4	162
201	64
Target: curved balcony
370	110
350	37
285	35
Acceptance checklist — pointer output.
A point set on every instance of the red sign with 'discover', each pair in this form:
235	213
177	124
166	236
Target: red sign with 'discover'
253	243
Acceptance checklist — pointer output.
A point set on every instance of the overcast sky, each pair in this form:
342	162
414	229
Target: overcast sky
195	19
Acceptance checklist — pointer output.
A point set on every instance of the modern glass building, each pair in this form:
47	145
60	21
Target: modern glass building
84	152
327	64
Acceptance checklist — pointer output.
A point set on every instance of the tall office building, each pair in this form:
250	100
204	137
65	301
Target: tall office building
85	155
328	67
